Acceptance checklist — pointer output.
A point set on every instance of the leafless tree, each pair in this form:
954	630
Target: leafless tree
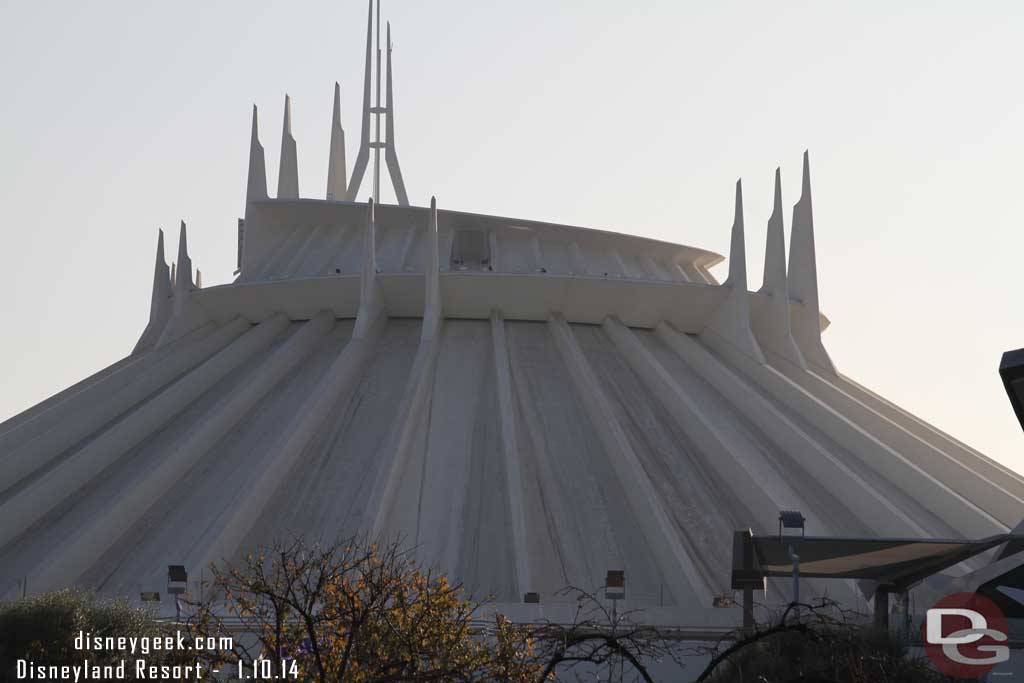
818	642
601	637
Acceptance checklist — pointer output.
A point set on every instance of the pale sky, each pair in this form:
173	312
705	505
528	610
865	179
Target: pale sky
123	117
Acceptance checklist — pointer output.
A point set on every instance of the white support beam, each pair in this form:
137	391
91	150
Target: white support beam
873	509
684	580
735	461
275	267
446	250
337	383
538	254
578	263
68	561
682	273
992	470
321	260
695	274
46	492
942	499
618	263
652	268
97	388
433	307
754	480
492	240
67	424
407	243
396	452
290	268
512	457
987	495
248	505
574	555
371	298
16	422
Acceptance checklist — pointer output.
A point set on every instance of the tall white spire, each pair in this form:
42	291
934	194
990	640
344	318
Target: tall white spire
803	280
390	155
337	184
288	176
737	245
731	320
771	322
183	277
184	317
385	109
161	272
256	185
363	156
775	246
160	302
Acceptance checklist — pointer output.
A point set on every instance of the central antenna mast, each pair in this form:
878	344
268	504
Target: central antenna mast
388	144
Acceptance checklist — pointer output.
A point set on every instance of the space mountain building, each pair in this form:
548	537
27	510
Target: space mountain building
528	404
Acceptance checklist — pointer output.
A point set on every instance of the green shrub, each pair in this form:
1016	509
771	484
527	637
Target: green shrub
42	630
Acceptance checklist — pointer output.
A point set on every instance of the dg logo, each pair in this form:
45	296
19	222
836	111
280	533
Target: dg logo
963	633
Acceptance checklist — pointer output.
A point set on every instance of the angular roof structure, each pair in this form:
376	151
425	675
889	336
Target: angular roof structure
529	404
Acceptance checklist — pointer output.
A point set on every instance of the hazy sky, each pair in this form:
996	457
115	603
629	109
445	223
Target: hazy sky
122	117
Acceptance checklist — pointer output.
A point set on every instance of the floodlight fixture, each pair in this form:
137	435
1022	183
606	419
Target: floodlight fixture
791	519
615	584
177	579
177	583
722	601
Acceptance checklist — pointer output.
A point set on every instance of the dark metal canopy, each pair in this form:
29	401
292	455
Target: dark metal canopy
897	563
1011	370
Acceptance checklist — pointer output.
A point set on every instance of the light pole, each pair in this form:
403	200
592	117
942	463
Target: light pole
793	519
177	582
615	588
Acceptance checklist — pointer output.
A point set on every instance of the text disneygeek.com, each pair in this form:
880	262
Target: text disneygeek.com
134	665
